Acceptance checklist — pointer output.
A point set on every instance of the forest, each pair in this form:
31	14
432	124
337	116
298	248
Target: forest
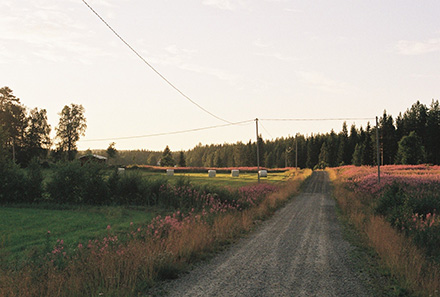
413	137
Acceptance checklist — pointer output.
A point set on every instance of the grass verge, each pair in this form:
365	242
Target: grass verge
407	272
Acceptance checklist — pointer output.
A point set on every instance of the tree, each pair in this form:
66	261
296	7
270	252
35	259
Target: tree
433	133
324	156
6	97
167	158
111	151
12	120
343	157
37	136
387	137
182	161
3	138
410	151
368	148
72	125
357	155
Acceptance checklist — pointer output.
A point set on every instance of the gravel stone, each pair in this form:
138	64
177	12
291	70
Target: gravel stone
300	251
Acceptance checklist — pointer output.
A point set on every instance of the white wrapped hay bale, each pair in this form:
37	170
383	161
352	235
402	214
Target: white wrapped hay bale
121	170
211	173
235	173
170	172
262	173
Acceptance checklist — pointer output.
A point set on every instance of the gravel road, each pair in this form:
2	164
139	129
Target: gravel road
298	252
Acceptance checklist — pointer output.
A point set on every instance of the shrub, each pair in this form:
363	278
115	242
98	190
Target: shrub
13	183
34	181
95	188
67	183
75	184
132	188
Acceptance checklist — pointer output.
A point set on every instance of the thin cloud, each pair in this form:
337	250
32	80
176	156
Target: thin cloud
412	48
278	56
231	5
262	44
46	32
320	81
294	10
181	58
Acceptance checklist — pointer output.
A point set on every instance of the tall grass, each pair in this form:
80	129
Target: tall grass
127	265
399	253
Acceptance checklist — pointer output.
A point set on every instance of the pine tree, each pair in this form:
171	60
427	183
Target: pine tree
182	161
167	158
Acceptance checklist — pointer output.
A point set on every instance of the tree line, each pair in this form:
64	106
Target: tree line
413	137
25	133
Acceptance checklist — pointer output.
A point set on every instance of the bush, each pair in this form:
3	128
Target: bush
13	184
75	184
132	188
95	189
34	181
414	211
66	184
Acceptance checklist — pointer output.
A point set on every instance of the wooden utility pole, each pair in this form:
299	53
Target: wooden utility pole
296	151
258	152
378	150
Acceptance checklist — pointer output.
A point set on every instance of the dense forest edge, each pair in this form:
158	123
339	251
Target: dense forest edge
413	137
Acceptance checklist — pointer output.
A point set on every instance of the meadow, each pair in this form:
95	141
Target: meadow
398	217
75	248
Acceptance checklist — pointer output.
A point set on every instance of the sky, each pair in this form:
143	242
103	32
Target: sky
237	59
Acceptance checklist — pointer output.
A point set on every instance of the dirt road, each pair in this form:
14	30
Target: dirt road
298	252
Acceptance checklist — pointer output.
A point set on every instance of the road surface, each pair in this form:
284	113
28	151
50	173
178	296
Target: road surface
298	252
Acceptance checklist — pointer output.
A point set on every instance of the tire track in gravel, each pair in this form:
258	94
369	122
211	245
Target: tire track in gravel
298	252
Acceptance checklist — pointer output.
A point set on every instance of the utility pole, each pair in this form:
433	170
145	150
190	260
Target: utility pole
378	150
296	151
258	152
288	151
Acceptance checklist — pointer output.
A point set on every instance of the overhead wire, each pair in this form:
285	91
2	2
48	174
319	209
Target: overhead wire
154	69
167	133
318	119
265	130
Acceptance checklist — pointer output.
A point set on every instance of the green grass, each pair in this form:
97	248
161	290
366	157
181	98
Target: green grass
221	179
23	230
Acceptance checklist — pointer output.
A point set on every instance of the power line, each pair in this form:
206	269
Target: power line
321	119
266	130
156	71
166	133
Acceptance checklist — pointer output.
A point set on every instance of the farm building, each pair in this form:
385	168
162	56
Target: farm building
92	158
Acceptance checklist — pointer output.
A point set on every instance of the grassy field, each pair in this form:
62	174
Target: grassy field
26	229
222	179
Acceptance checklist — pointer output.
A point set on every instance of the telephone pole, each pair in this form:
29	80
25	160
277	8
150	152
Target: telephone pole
258	152
378	150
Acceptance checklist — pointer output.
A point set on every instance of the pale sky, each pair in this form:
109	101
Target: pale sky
238	59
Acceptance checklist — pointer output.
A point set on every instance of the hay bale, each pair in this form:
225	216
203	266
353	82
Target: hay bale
170	172
211	173
262	173
235	173
121	170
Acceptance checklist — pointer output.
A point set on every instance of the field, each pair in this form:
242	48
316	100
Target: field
223	179
69	249
398	217
25	229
